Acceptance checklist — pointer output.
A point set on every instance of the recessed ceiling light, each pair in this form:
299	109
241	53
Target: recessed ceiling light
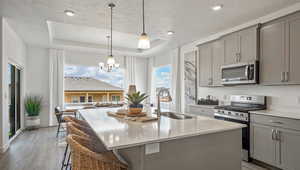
217	7
69	13
170	32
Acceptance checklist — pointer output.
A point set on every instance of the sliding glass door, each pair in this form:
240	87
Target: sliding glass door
14	99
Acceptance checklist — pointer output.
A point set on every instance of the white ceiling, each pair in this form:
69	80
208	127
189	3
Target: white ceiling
190	19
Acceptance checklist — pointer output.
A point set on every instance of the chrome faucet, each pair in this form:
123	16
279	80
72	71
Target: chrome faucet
169	99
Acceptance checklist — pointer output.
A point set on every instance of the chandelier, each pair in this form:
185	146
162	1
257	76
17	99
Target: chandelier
111	62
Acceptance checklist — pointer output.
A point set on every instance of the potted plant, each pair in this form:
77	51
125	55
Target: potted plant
33	105
134	101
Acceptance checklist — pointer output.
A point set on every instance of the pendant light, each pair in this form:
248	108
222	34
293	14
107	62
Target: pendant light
110	63
144	41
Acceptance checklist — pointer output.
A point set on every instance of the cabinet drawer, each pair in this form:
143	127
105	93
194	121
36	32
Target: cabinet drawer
276	121
202	111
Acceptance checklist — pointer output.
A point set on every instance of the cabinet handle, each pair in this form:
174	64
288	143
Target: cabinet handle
278	138
276	122
282	77
273	134
278	135
286	76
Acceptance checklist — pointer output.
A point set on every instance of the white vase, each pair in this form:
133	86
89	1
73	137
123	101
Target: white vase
32	122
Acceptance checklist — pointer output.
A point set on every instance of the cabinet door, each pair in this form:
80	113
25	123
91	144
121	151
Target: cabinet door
293	51
205	62
263	146
289	158
231	48
248	45
217	61
272	39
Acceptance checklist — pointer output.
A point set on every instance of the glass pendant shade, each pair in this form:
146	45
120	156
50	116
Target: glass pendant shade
111	60
144	42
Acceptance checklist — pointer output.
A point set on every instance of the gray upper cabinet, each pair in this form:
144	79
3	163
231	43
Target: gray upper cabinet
280	52
241	46
205	64
248	44
211	58
230	48
217	61
272	43
293	51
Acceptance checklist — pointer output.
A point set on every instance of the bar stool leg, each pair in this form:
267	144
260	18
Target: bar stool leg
58	129
68	161
64	158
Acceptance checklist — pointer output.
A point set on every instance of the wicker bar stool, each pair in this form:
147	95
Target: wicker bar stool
74	128
75	120
86	132
86	156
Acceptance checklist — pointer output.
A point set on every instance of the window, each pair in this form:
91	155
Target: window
74	99
82	80
82	99
162	79
90	99
116	98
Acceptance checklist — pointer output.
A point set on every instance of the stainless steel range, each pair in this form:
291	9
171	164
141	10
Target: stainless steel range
238	112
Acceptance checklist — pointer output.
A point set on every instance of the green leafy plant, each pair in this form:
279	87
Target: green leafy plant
135	99
33	105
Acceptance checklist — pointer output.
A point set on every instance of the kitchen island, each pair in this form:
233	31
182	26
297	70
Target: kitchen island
199	143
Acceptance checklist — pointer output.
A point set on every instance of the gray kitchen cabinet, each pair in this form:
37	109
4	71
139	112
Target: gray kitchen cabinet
280	52
248	40
217	61
241	46
272	45
275	141
230	48
293	51
289	149
263	145
211	58
205	64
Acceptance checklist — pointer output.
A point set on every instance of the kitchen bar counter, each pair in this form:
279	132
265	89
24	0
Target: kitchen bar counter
116	133
193	144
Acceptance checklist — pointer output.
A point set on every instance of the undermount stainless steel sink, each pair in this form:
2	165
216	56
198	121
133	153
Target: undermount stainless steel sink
175	115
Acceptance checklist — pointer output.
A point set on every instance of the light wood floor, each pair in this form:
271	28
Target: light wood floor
40	150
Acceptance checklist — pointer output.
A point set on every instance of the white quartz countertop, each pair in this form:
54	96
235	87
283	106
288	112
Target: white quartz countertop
118	133
283	114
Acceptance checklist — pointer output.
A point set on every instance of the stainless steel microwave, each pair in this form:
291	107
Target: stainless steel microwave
241	73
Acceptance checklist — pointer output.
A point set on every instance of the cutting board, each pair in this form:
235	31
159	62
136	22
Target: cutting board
143	118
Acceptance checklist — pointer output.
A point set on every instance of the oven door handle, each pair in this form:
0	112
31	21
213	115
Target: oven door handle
247	72
229	117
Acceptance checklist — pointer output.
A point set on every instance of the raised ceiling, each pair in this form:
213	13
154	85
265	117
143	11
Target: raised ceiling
191	20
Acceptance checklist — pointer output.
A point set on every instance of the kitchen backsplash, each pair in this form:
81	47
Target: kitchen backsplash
282	98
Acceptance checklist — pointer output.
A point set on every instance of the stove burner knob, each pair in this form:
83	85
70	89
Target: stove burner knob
242	115
229	113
